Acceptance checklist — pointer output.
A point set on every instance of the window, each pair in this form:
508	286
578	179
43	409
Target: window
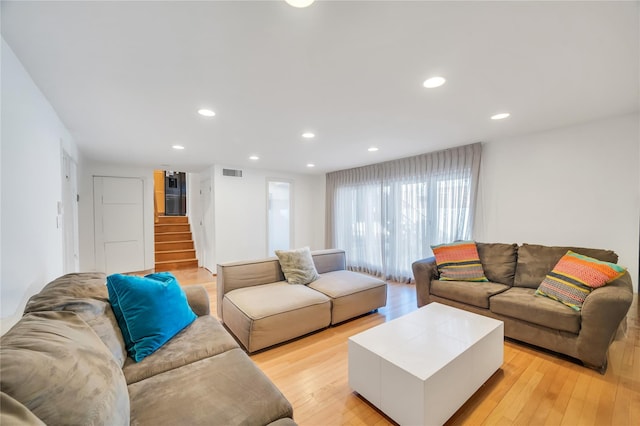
388	215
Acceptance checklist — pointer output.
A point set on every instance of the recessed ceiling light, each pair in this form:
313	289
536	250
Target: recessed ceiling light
372	149
311	165
433	82
299	3
178	147
254	158
206	112
308	135
500	116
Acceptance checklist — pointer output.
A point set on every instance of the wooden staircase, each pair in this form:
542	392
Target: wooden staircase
174	244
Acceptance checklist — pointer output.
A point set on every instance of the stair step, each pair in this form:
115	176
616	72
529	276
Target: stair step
172	236
172	227
176	264
174	245
169	255
172	219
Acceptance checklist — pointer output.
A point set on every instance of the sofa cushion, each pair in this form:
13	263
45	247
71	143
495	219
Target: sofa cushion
351	293
228	390
329	260
14	413
150	310
574	276
459	261
55	365
471	293
205	337
264	315
535	261
338	284
498	261
522	303
263	301
297	265
86	295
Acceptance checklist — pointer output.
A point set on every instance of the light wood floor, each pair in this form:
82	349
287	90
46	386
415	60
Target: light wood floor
532	387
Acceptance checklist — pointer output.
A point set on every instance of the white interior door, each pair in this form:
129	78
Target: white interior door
119	224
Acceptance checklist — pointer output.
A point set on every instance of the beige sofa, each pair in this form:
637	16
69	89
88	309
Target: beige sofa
514	274
261	309
64	362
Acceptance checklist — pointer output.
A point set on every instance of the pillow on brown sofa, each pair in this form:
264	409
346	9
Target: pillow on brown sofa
575	276
535	261
459	261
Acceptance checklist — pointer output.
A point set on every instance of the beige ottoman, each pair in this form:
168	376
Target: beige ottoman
264	315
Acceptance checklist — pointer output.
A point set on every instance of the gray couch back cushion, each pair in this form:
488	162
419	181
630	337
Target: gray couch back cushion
498	261
55	365
535	261
85	294
251	273
329	260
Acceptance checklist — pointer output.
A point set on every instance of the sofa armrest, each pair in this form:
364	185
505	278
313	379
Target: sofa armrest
602	313
424	271
198	299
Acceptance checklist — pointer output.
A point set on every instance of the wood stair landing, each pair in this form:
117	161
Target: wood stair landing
174	244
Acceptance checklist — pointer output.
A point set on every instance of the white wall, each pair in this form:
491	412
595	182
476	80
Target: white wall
241	213
31	241
236	227
90	169
576	186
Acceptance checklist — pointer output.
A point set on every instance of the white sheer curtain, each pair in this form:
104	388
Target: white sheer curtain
388	215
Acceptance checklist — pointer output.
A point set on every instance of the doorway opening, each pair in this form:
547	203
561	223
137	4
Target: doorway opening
173	240
279	209
170	190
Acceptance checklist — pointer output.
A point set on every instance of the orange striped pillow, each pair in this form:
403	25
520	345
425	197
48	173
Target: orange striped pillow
459	261
575	276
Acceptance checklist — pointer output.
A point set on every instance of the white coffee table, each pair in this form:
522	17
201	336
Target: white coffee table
419	369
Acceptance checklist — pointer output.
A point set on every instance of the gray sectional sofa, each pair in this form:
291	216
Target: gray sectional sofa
261	309
514	274
65	362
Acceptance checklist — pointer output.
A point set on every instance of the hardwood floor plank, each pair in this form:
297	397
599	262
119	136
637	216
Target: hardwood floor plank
531	388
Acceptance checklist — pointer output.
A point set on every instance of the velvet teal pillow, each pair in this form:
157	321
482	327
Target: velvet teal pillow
150	310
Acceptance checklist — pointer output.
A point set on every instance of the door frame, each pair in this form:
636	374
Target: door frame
291	210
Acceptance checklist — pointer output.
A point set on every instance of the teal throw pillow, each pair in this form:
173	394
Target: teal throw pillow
150	310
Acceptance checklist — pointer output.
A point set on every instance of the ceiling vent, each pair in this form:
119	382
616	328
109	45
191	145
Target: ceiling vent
232	172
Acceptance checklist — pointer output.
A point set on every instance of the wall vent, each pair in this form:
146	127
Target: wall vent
232	172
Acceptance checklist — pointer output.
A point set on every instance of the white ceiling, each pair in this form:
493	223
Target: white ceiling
127	78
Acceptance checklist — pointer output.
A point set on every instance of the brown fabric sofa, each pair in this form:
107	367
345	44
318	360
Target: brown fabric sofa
65	362
514	274
261	309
